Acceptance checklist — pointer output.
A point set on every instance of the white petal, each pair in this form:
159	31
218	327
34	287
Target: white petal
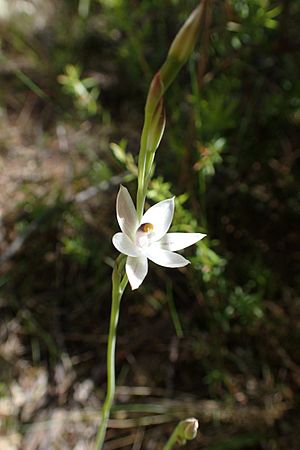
136	269
160	216
126	213
165	257
178	241
125	245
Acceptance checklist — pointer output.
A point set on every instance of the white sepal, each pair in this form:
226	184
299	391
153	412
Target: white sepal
124	245
126	213
178	241
136	270
165	258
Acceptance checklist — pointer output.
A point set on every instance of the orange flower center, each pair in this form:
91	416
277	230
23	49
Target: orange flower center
146	227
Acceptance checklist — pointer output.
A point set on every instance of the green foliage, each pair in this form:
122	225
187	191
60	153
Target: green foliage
244	305
256	14
84	91
124	157
99	172
74	242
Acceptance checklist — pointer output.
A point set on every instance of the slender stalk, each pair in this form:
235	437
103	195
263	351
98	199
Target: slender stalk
151	135
119	283
172	440
140	200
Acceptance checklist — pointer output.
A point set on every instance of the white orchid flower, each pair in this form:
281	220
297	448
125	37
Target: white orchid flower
148	238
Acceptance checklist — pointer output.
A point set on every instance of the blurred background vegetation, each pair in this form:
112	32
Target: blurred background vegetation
219	340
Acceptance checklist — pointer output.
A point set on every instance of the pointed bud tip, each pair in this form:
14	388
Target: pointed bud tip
185	40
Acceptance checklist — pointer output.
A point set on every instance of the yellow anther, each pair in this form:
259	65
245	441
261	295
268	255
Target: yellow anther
146	227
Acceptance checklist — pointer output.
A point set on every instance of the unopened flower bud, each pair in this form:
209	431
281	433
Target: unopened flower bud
185	39
190	428
181	47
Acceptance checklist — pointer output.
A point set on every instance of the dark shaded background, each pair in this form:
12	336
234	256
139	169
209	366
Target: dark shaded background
218	340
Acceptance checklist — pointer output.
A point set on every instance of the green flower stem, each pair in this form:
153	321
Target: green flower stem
169	70
172	440
140	200
179	52
119	283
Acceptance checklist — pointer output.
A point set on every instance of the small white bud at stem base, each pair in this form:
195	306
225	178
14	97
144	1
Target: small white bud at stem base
191	427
